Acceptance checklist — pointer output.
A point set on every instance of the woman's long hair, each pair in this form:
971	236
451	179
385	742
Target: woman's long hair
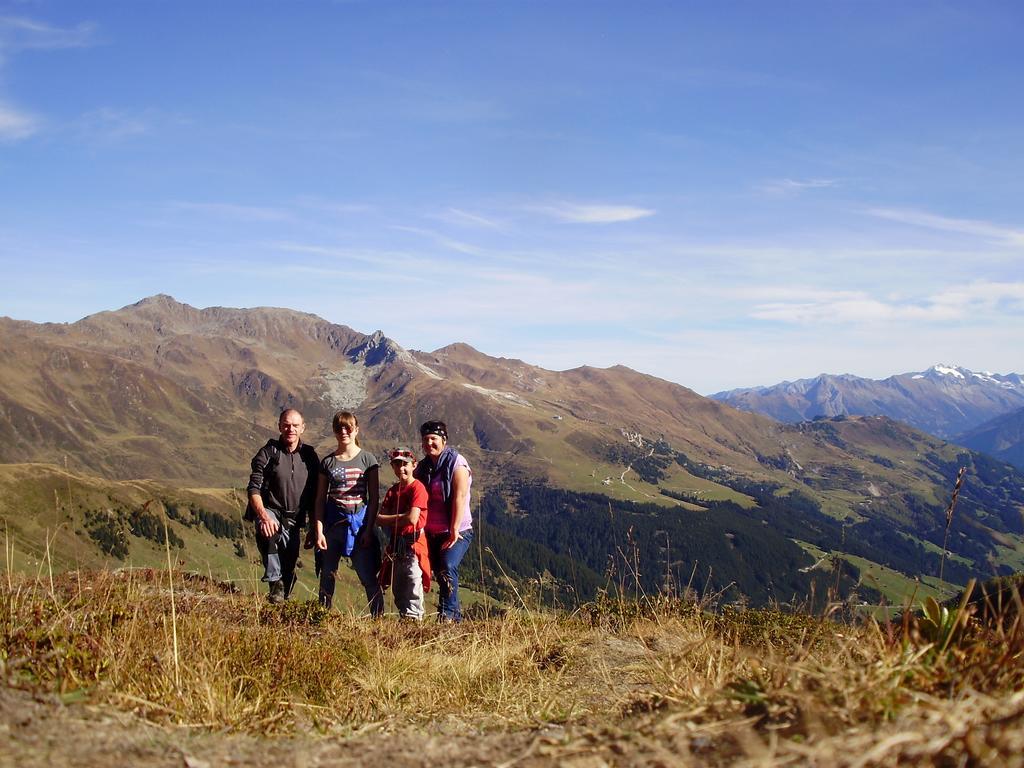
345	419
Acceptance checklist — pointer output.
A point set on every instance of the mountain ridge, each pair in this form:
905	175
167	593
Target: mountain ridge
1002	437
944	400
163	390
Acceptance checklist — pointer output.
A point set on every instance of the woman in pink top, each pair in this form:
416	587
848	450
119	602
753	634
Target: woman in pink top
449	531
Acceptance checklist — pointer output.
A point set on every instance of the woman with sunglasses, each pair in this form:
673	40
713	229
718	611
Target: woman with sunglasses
346	513
449	530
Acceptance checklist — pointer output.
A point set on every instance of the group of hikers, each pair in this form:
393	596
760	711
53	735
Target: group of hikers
424	518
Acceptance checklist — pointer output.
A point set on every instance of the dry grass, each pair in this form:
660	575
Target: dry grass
631	683
249	666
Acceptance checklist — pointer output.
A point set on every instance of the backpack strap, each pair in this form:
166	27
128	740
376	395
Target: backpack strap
272	462
275	457
308	454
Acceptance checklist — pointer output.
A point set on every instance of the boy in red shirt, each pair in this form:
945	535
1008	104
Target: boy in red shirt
403	514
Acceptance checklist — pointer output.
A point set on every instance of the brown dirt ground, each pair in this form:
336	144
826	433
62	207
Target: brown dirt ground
40	731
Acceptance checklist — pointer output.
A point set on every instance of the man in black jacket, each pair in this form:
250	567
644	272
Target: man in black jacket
282	491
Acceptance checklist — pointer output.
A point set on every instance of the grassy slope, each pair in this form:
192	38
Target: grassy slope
885	462
41	503
43	511
615	684
567	467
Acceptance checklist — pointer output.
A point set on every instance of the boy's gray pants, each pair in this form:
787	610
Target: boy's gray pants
407	586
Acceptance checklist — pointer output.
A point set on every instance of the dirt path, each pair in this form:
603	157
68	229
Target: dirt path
37	732
40	733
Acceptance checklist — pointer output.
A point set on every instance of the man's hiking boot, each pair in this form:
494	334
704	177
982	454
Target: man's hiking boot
276	596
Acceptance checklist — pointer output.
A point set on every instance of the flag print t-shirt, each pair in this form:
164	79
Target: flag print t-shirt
346	485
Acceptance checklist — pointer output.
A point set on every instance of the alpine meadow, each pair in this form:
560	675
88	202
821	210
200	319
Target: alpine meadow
439	382
654	573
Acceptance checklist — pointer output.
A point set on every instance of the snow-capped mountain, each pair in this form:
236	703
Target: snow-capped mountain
945	400
955	376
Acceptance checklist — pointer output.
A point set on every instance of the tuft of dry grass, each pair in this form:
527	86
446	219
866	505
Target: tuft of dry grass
250	666
653	679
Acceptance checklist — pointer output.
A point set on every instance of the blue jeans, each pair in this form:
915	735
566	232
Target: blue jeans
365	562
444	568
279	553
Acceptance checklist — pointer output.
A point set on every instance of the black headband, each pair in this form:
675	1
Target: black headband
434	428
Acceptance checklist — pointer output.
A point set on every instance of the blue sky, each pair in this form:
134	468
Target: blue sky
720	194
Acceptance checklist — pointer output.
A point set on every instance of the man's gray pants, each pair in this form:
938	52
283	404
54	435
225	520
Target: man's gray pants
280	552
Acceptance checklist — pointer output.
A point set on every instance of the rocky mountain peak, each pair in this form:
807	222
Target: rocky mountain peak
945	371
956	375
376	350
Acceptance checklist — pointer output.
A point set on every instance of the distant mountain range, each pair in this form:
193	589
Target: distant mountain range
945	400
571	469
1002	437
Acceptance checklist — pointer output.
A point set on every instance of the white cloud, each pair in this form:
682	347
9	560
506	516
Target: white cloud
335	207
233	211
983	295
109	124
795	186
573	213
465	218
16	124
442	240
428	100
813	306
346	255
855	309
718	78
984	229
719	359
326	273
686	326
19	33
453	109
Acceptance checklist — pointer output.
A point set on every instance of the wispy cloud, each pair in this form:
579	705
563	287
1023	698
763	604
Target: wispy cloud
20	33
108	124
721	77
16	124
851	308
814	306
334	206
434	101
442	109
337	272
442	240
782	187
373	257
984	229
983	295
573	213
233	211
465	218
